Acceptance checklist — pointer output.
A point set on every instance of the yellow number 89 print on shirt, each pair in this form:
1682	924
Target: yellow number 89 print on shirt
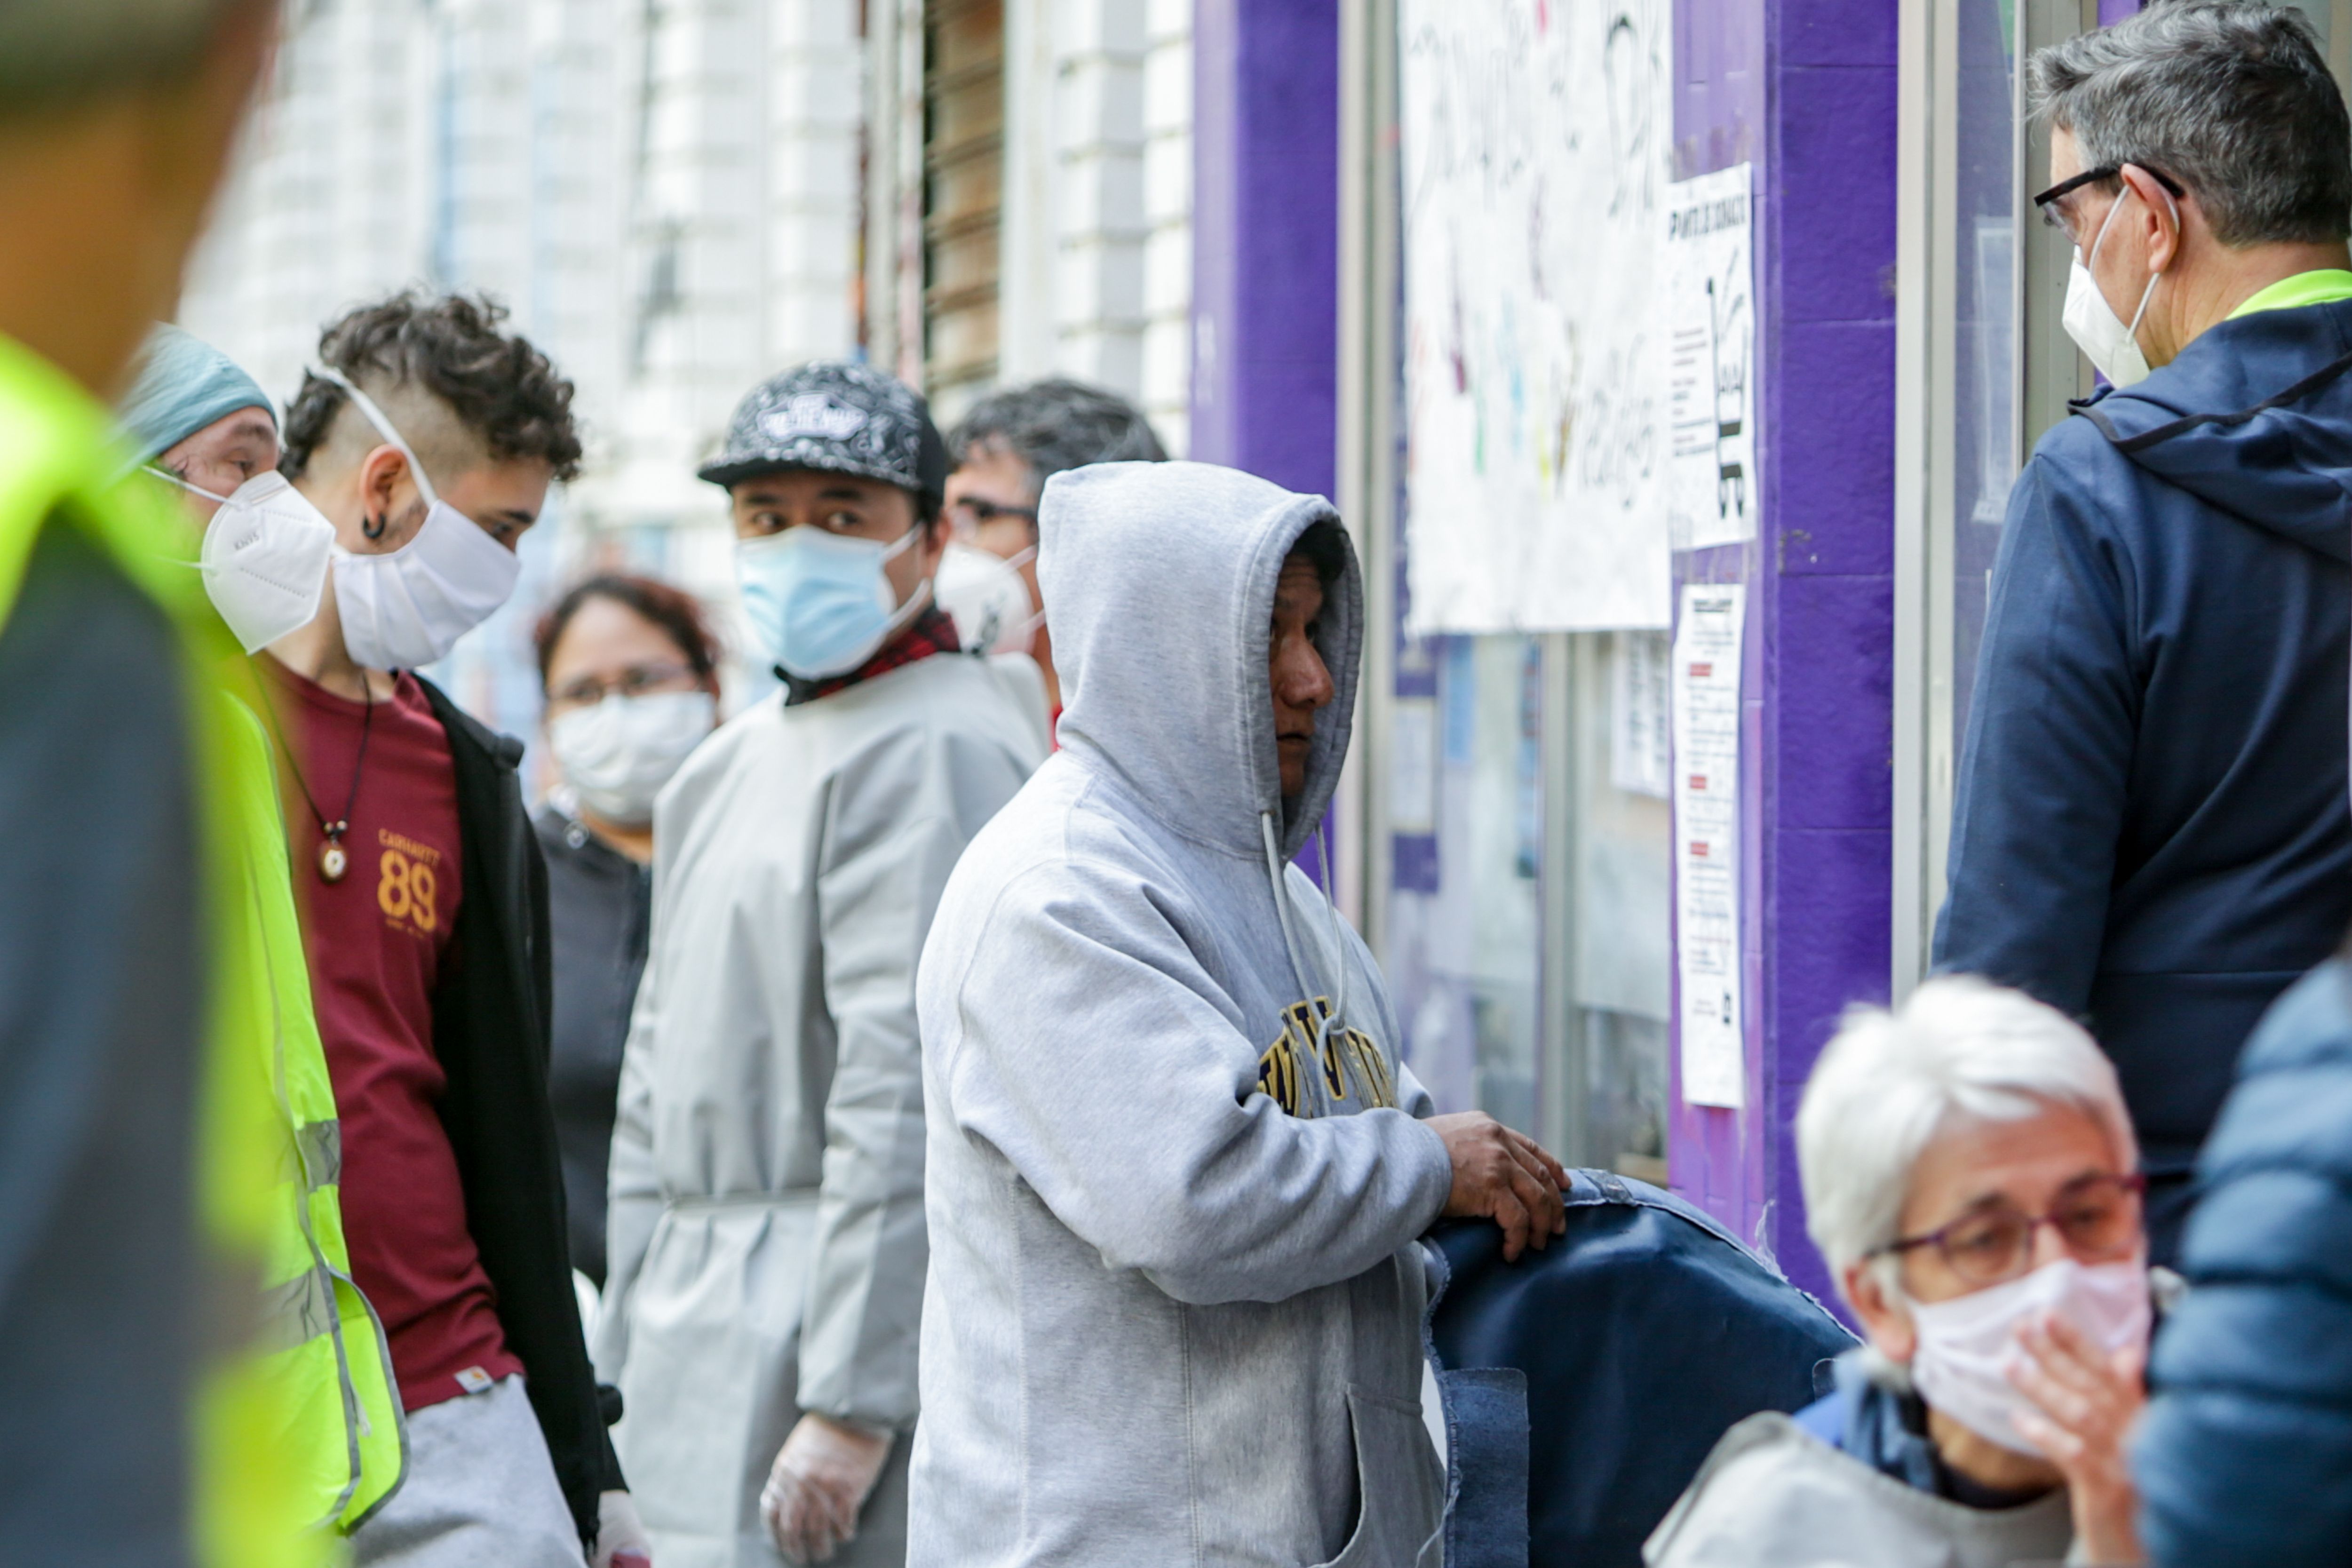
407	890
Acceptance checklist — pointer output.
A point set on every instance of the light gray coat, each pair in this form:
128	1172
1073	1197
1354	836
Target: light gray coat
1169	1320
767	1175
1771	1495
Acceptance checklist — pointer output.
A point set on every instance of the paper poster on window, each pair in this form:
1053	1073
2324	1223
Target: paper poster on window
1639	751
1706	681
1711	386
1534	140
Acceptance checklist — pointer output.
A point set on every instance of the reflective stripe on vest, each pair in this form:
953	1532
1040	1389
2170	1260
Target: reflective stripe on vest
319	1146
296	1311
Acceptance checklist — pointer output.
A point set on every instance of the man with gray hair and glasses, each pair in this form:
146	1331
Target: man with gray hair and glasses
2150	831
1004	449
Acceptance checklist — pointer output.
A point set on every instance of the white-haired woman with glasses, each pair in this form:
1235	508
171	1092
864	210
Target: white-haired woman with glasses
1971	1176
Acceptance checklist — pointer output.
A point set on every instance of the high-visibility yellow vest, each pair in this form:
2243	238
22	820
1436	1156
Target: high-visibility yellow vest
297	1426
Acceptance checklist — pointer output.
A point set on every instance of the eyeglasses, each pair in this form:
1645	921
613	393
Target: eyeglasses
2051	203
635	681
971	514
2098	1218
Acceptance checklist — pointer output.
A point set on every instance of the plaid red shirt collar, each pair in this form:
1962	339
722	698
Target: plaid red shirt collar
933	631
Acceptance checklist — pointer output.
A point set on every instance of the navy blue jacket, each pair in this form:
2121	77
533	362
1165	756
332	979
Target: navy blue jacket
1585	1385
2245	1453
2151	830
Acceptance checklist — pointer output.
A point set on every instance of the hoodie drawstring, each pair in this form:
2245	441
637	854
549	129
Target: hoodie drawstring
1318	1101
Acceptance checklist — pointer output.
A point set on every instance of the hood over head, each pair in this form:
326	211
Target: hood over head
2254	418
1159	581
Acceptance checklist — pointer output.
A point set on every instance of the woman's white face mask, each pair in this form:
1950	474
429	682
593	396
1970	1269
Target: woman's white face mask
1968	1344
264	558
408	607
616	753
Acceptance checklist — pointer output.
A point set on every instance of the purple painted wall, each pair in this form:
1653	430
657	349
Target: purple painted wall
1266	235
1806	90
1265	246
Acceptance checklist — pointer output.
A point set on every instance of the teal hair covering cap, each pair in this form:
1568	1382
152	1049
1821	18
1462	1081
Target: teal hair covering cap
185	384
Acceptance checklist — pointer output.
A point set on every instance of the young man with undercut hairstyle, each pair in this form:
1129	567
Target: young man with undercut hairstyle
428	438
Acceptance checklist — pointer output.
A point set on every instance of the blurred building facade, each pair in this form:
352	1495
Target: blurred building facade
678	197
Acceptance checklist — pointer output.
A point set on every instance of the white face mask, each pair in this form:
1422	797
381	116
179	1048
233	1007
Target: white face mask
2102	335
264	558
985	594
407	608
617	754
1968	1344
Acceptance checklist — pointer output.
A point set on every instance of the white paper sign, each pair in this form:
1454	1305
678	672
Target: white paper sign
1706	841
1640	758
1534	144
1712	388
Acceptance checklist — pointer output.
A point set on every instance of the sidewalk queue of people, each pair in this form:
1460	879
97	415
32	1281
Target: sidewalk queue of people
928	1117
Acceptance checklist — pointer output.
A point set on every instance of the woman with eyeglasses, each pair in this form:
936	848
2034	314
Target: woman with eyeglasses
631	677
1971	1176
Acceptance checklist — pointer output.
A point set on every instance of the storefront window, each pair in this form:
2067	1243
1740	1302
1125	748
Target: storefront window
1985	411
1466	915
1528	929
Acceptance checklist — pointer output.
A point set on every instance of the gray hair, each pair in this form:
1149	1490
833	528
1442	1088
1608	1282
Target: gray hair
1887	1086
1056	425
2230	98
55	54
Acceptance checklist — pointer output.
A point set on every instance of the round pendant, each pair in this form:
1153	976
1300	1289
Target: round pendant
332	861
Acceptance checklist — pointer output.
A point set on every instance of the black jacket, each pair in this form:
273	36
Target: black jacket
491	1030
2151	831
602	916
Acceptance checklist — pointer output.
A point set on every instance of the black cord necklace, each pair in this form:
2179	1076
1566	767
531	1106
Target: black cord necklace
334	861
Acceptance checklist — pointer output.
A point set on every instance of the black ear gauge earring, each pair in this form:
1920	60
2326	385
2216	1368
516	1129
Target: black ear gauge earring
374	527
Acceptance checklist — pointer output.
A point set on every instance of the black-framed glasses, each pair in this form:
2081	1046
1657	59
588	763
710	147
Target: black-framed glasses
635	681
973	512
2098	1218
2056	215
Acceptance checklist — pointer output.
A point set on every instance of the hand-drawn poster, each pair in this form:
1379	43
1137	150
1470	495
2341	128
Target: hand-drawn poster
1707	842
1711	390
1534	147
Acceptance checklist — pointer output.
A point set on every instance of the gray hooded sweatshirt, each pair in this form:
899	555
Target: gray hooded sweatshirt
1174	1301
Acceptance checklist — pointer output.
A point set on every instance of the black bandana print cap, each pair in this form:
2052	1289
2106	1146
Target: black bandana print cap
841	417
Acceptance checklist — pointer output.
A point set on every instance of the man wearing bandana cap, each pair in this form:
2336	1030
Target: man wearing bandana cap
767	1242
194	412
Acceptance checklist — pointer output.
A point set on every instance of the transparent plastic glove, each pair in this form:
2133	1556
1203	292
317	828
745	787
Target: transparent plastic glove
820	1480
620	1538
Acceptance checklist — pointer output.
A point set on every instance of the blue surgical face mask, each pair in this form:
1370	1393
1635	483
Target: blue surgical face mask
822	601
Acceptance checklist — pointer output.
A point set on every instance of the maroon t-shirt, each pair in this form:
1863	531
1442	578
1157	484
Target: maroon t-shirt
376	942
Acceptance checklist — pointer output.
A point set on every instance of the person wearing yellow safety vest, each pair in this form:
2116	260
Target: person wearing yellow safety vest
136	1168
196	419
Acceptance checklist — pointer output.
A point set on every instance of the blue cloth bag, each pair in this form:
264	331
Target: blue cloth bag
1585	1383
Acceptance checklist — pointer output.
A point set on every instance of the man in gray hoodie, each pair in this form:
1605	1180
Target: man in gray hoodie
1175	1167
